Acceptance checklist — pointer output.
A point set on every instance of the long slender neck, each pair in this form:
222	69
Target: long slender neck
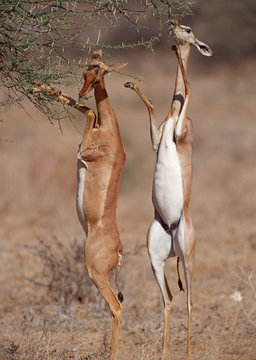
106	115
179	91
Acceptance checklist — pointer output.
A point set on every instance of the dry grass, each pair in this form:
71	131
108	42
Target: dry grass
57	314
63	271
37	347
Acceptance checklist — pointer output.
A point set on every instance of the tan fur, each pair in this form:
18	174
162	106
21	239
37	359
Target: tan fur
103	153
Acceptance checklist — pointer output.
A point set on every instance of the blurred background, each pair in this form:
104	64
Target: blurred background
46	298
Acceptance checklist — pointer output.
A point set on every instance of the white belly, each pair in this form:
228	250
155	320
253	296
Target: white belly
167	184
81	170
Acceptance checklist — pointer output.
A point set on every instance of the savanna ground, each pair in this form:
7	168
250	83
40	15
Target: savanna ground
49	309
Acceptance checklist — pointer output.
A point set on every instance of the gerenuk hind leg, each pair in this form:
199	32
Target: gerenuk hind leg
159	247
184	247
102	283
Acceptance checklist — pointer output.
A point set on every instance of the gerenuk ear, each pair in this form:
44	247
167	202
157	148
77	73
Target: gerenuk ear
203	48
109	68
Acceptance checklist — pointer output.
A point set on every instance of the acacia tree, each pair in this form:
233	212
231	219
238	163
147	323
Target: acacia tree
39	38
